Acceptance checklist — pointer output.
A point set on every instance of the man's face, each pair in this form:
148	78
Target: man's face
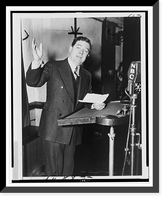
79	52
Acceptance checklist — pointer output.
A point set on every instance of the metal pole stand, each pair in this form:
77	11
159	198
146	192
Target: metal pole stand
132	130
111	135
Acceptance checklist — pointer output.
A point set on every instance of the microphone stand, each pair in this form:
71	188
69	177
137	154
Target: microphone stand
132	129
132	87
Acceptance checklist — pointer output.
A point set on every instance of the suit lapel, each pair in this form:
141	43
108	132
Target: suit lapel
66	76
82	84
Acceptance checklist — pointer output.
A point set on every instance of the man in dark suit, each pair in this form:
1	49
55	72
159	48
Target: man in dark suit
67	81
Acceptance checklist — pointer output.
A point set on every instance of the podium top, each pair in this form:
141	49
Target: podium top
108	116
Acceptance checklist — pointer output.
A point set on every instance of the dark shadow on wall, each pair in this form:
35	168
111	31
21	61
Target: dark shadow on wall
93	65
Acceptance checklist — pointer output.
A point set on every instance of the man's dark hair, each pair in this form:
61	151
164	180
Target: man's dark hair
81	38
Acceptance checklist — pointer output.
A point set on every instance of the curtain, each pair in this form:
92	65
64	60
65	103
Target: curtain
25	106
108	59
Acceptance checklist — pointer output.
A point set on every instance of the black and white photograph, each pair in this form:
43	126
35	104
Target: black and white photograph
81	97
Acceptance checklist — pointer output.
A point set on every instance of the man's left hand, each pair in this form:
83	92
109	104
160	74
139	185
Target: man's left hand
98	106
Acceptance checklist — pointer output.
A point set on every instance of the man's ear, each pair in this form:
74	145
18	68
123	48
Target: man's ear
70	48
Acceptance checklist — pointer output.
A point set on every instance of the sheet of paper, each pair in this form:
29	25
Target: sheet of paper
94	98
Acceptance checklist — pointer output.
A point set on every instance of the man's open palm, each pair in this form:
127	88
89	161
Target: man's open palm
37	52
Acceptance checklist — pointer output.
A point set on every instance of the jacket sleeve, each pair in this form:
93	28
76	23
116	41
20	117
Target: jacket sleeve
38	77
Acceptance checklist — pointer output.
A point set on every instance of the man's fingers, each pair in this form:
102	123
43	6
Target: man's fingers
40	47
99	106
37	52
33	43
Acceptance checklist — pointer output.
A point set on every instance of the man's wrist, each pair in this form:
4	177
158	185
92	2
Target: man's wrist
36	63
92	106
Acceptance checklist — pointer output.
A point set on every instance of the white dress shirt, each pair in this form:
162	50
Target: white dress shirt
74	68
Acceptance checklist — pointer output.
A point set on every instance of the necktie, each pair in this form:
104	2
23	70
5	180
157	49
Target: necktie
76	81
76	74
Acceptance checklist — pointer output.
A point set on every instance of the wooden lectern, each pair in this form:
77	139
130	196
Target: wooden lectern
106	117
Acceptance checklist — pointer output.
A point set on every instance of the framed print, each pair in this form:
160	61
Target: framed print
61	137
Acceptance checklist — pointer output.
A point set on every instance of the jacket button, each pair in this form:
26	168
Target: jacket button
63	101
61	86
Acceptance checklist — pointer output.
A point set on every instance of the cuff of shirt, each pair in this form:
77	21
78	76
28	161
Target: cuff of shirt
92	106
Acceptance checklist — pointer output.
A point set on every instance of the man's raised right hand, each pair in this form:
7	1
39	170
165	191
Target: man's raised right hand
37	54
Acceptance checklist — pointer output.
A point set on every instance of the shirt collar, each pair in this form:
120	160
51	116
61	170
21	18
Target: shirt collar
73	66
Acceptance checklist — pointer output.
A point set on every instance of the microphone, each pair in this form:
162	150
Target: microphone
133	76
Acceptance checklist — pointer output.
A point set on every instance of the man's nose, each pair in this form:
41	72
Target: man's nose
81	51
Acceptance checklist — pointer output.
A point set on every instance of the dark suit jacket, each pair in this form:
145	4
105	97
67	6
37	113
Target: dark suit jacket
60	100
